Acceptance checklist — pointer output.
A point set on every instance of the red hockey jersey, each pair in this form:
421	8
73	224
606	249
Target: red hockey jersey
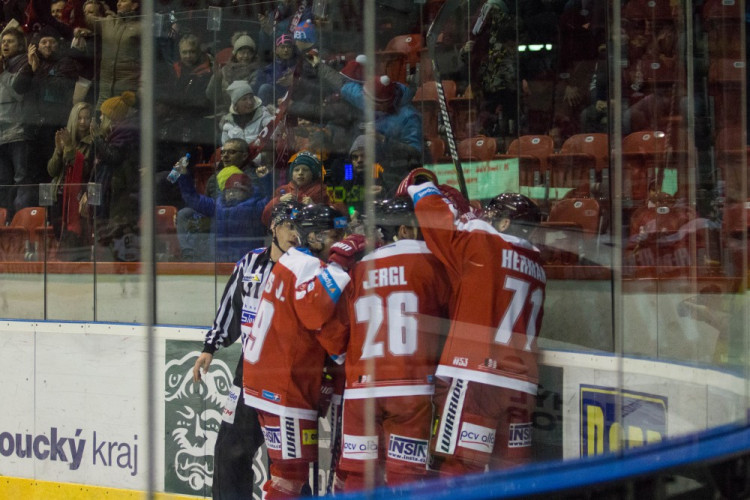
392	322
499	289
284	354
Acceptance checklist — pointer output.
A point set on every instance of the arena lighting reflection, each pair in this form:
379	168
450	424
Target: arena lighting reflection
535	47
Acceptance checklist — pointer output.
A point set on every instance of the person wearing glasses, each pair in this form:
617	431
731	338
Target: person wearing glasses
193	225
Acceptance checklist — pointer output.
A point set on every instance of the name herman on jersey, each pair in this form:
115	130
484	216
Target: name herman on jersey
524	265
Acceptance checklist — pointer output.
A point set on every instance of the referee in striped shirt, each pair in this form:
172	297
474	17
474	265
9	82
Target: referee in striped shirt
240	434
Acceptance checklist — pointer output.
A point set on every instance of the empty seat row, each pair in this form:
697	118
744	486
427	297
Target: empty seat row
29	237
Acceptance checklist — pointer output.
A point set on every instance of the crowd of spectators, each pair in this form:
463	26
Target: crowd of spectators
282	82
271	111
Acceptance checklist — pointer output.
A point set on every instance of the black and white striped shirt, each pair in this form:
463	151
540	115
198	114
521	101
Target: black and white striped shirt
240	300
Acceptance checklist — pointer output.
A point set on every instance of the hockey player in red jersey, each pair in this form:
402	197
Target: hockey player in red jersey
488	375
284	353
392	322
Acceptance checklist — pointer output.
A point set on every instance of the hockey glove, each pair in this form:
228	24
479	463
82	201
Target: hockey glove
415	177
460	203
347	251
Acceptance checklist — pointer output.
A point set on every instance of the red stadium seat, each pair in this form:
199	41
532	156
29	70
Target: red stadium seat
400	57
582	159
532	152
726	81
646	156
426	101
44	243
202	171
570	235
734	232
464	111
167	245
668	239
16	241
479	148
723	20
732	159
437	148
653	11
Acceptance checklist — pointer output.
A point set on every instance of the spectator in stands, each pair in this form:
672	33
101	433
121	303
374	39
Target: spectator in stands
247	116
305	36
18	117
235	213
398	125
306	184
594	118
572	93
345	121
341	121
13	13
243	65
56	10
70	168
182	105
285	16
193	228
46	13
489	59
55	77
347	181
274	80
120	68
116	169
85	47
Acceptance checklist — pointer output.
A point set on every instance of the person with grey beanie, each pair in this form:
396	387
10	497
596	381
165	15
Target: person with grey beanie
241	66
246	117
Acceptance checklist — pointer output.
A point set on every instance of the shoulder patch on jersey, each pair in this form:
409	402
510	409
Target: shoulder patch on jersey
254	278
329	283
417	193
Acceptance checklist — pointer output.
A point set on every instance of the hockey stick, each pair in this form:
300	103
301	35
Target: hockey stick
432	34
335	444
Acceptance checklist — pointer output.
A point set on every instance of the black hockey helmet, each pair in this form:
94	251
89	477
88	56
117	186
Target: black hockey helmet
287	210
392	213
314	218
521	210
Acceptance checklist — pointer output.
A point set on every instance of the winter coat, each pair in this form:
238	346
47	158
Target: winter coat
54	82
18	113
120	67
230	129
182	95
57	163
237	225
403	125
116	168
402	145
232	71
315	190
273	72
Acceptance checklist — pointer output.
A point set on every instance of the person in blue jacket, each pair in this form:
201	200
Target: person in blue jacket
235	215
398	124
